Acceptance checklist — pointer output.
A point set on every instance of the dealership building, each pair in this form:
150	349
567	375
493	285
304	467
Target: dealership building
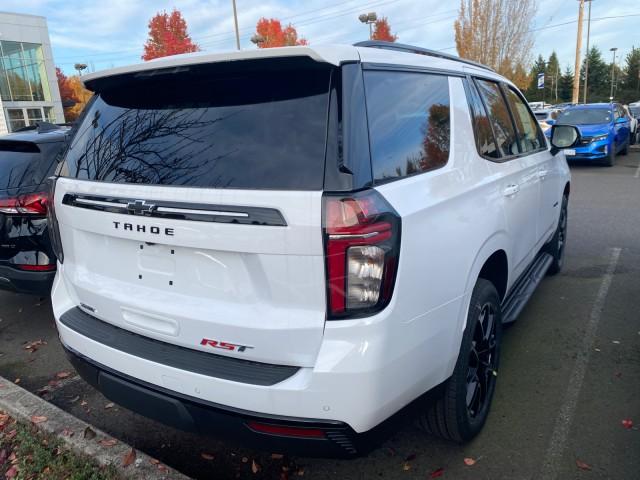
28	84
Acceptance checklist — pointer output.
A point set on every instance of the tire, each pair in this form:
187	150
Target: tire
625	150
450	415
634	136
556	246
610	159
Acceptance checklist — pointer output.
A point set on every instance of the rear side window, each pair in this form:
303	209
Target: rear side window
527	126
22	164
409	122
499	116
260	129
482	125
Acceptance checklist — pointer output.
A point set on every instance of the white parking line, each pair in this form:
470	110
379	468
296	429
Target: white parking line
637	175
551	466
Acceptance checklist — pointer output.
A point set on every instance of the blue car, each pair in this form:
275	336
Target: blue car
604	128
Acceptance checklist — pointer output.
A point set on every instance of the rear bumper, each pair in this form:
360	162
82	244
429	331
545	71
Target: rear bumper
195	415
367	371
31	283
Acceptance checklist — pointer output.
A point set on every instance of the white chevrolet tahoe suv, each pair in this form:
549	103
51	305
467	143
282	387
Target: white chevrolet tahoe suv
295	245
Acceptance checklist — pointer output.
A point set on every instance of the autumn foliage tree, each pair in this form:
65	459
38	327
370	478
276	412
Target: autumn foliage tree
81	94
497	33
67	95
382	31
168	36
270	33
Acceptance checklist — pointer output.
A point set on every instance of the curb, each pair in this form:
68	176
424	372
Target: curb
22	405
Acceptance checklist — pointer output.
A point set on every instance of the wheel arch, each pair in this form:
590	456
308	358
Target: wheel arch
493	251
496	270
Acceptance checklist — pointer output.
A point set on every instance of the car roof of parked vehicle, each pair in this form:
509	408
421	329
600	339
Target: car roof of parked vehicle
373	52
590	106
38	136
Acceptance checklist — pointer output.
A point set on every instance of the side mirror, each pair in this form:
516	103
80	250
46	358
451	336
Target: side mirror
563	136
550	121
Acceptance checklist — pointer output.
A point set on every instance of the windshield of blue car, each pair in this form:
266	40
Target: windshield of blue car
585	116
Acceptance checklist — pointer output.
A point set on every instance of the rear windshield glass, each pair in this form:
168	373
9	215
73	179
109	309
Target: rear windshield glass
205	128
586	116
21	164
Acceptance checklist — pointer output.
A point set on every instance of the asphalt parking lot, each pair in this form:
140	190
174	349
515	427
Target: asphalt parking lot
569	376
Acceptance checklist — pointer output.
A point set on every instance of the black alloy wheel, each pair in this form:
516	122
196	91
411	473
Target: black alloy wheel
481	375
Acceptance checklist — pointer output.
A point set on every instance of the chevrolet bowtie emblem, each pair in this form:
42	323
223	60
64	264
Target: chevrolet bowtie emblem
140	207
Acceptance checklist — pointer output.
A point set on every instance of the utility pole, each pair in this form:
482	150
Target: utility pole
586	61
235	21
613	70
576	76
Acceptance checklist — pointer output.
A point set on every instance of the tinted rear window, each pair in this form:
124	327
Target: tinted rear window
202	128
500	118
409	122
22	164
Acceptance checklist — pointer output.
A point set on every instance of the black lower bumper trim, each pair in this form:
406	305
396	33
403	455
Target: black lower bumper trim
196	415
31	283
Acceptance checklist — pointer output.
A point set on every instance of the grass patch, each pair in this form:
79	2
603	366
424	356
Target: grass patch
28	454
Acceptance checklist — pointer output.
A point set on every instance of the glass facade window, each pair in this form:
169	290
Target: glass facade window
24	117
16	119
49	114
22	72
34	115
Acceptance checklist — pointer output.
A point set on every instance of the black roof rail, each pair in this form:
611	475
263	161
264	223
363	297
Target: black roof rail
401	47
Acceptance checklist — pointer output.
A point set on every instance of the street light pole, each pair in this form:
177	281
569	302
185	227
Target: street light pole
586	61
613	70
80	67
235	21
369	18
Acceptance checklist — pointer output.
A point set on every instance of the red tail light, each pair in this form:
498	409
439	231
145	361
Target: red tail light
286	431
362	244
37	268
31	204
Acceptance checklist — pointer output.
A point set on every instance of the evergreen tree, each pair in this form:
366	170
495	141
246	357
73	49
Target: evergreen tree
599	82
565	85
551	79
629	87
533	94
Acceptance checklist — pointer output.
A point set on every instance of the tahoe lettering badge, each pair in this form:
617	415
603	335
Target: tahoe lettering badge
136	227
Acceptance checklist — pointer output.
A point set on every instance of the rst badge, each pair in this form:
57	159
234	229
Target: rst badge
231	347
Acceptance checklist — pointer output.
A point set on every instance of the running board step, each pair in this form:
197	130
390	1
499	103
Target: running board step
524	288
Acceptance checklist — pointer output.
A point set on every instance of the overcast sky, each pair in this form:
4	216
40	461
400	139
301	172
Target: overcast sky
110	33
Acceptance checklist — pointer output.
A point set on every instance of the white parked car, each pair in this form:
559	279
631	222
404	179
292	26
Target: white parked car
633	112
546	117
247	246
